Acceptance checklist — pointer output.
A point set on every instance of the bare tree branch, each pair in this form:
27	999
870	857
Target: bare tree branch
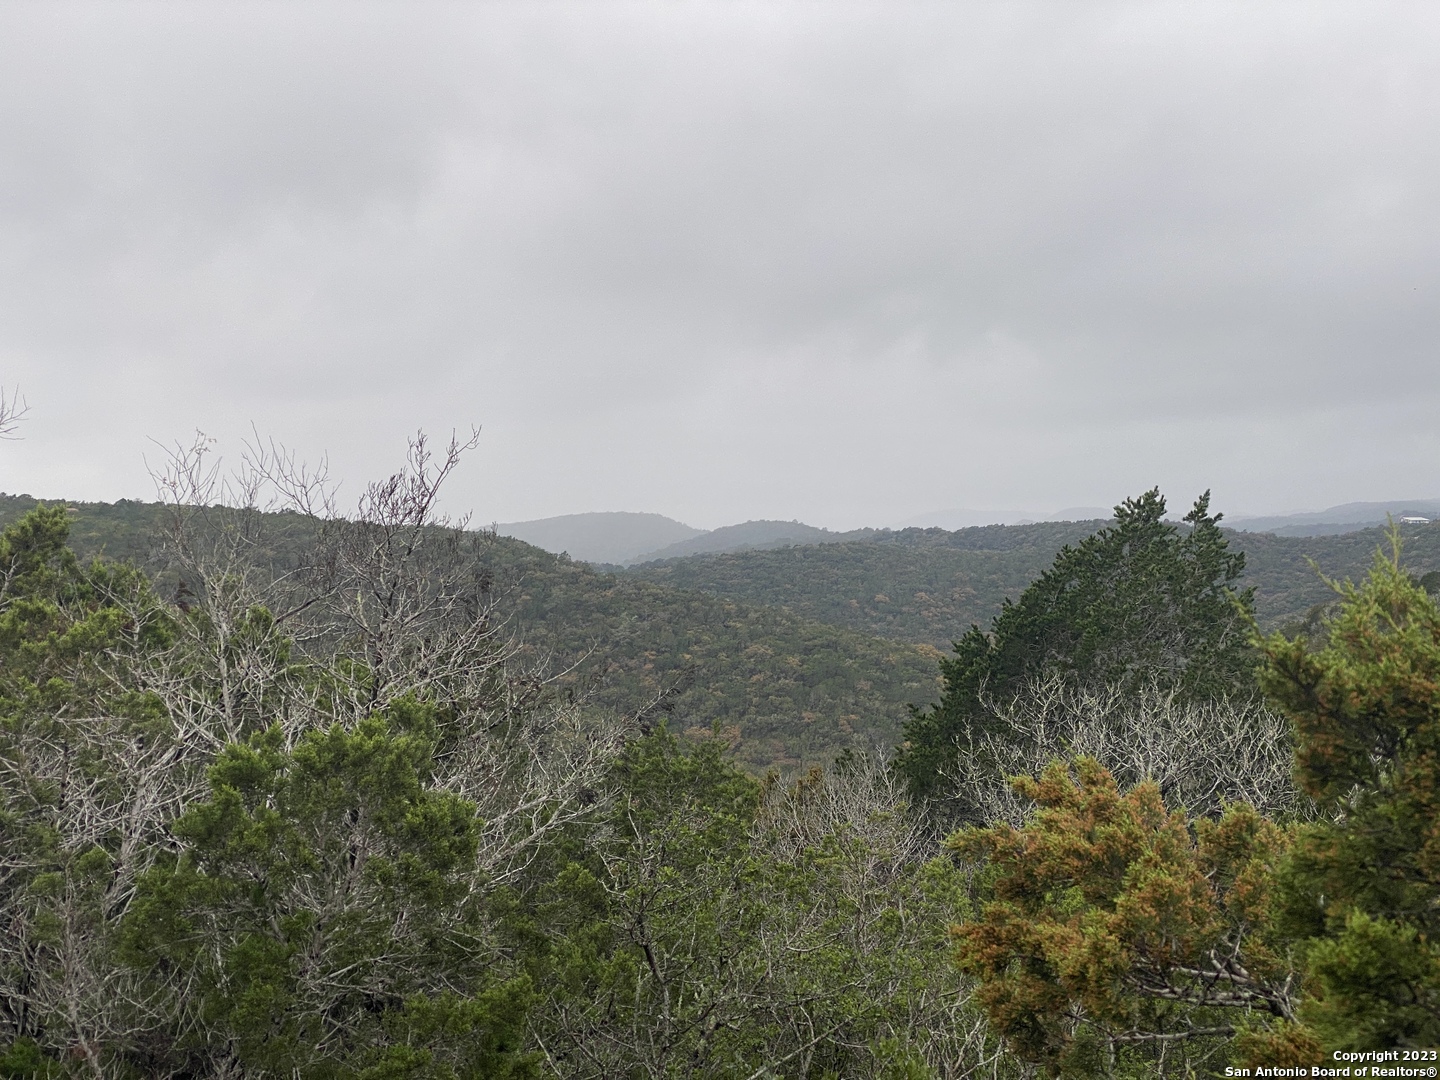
1202	754
13	410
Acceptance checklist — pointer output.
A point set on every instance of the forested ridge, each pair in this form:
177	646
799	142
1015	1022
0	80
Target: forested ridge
798	652
929	585
783	689
918	585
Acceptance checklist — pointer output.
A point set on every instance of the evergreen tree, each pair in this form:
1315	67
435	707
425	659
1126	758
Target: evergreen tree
323	920
1362	887
1118	931
1142	602
80	749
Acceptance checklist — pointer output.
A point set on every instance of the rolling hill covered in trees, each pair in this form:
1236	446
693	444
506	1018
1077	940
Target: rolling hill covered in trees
615	537
919	585
783	688
795	653
929	585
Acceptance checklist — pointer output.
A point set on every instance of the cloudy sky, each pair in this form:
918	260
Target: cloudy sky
842	262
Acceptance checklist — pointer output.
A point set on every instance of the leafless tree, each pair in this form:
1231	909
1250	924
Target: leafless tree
392	600
280	611
1203	754
13	410
885	875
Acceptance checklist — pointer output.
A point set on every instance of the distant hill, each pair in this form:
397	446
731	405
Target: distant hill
1349	517
1287	586
796	651
962	518
928	585
751	534
918	585
621	539
782	689
601	538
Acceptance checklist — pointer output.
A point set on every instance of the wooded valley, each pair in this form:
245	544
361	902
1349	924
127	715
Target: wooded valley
799	652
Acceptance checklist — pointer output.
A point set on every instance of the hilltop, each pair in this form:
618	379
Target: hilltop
753	535
917	585
622	539
601	538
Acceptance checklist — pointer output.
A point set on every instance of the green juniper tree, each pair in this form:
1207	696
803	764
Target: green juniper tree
322	918
1141	603
1362	887
257	828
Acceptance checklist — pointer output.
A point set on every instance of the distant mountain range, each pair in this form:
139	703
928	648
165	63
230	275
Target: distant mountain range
1347	518
612	538
622	539
625	539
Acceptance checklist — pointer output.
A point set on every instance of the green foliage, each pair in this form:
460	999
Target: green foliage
916	585
1283	568
321	915
24	1060
1363	883
788	690
715	926
70	725
1140	603
1109	909
59	619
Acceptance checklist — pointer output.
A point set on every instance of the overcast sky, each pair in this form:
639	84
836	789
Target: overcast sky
846	263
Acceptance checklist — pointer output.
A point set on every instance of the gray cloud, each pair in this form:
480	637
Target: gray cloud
841	262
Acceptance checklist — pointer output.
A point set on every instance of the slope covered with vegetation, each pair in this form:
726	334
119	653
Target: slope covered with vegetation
920	585
784	689
929	585
795	652
1289	572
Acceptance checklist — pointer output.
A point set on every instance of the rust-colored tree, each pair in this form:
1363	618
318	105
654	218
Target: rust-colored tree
1121	934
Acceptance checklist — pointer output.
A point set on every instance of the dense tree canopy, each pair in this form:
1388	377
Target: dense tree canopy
1363	884
293	805
1141	602
1117	933
357	842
